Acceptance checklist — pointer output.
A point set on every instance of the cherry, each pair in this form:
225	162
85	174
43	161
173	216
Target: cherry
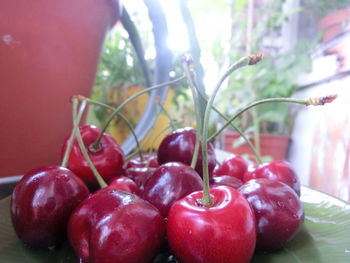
108	158
139	175
42	202
149	161
224	232
234	166
225	180
169	183
278	211
124	183
115	226
179	145
280	171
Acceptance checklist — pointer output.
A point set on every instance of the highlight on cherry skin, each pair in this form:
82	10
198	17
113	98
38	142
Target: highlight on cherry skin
179	145
278	170
42	203
278	211
108	158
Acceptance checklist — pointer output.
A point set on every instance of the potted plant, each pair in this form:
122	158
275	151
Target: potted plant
268	126
124	70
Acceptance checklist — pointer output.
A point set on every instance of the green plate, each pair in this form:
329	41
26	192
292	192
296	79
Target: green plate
325	236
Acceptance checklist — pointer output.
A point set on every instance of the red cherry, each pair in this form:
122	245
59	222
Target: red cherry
123	183
153	161
42	202
149	161
280	171
108	159
179	145
115	226
234	166
169	183
139	175
278	211
225	180
225	232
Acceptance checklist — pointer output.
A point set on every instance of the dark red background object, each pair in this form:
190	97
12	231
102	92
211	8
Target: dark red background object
49	51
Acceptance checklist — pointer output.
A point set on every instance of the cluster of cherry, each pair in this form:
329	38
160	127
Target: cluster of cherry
155	202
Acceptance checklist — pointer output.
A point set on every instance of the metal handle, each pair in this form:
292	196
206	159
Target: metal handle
163	67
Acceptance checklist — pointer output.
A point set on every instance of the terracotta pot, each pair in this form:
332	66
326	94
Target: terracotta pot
49	51
275	146
334	23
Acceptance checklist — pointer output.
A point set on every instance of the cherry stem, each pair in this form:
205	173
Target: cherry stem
188	66
127	122
157	136
160	132
75	127
240	132
306	101
77	134
173	123
144	142
245	61
115	112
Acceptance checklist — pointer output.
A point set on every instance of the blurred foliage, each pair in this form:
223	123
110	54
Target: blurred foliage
118	70
274	76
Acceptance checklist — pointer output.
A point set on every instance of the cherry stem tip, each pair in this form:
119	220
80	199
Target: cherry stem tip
254	59
319	101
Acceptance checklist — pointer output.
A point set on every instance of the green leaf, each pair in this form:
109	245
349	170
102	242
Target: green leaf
273	112
325	237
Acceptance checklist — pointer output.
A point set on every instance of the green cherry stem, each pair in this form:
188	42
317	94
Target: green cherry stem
75	127
77	134
116	110
131	155
127	122
245	61
188	66
240	132
172	122
306	101
169	127
145	140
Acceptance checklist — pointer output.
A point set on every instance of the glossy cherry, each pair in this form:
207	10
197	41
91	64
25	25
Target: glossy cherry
179	146
149	161
42	202
115	226
225	180
234	166
224	232
123	183
108	159
139	175
278	211
280	171
169	183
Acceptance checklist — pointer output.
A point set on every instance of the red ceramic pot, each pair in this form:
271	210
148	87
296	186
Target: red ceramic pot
273	145
49	51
